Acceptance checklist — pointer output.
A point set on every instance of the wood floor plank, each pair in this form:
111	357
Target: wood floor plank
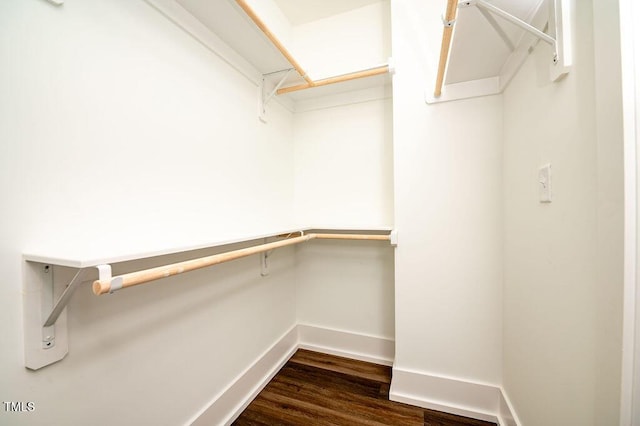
347	399
329	381
334	414
288	412
381	373
324	390
438	418
256	416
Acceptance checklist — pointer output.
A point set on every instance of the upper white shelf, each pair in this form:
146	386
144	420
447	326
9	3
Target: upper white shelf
90	255
259	36
492	39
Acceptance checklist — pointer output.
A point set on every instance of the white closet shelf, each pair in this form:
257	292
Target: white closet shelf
45	327
81	257
236	34
557	19
306	81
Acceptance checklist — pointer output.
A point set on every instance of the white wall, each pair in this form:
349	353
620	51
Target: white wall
562	294
344	177
119	128
610	245
343	43
630	52
120	131
636	385
636	373
346	286
448	212
344	164
343	158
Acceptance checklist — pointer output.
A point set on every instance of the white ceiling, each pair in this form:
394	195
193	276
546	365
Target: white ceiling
303	11
476	42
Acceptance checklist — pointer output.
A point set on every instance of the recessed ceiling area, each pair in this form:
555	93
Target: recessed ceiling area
304	11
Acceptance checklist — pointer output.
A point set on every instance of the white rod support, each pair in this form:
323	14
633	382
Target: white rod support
393	238
104	272
43	344
447	23
516	21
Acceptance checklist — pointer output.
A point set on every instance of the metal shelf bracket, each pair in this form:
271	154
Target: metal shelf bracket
45	321
558	20
264	99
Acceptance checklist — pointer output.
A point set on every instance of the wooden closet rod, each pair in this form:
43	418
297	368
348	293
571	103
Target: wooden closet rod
267	32
152	274
383	69
447	33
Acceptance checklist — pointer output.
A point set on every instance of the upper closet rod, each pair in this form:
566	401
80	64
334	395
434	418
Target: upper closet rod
141	277
383	69
448	20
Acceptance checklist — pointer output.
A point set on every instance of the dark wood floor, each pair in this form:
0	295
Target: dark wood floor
319	389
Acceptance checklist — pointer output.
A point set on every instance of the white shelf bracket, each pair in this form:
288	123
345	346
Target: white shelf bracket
558	20
45	321
264	99
64	298
482	4
278	86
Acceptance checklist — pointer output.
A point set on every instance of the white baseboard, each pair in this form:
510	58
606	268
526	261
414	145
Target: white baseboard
479	401
229	404
373	349
454	396
506	414
225	407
